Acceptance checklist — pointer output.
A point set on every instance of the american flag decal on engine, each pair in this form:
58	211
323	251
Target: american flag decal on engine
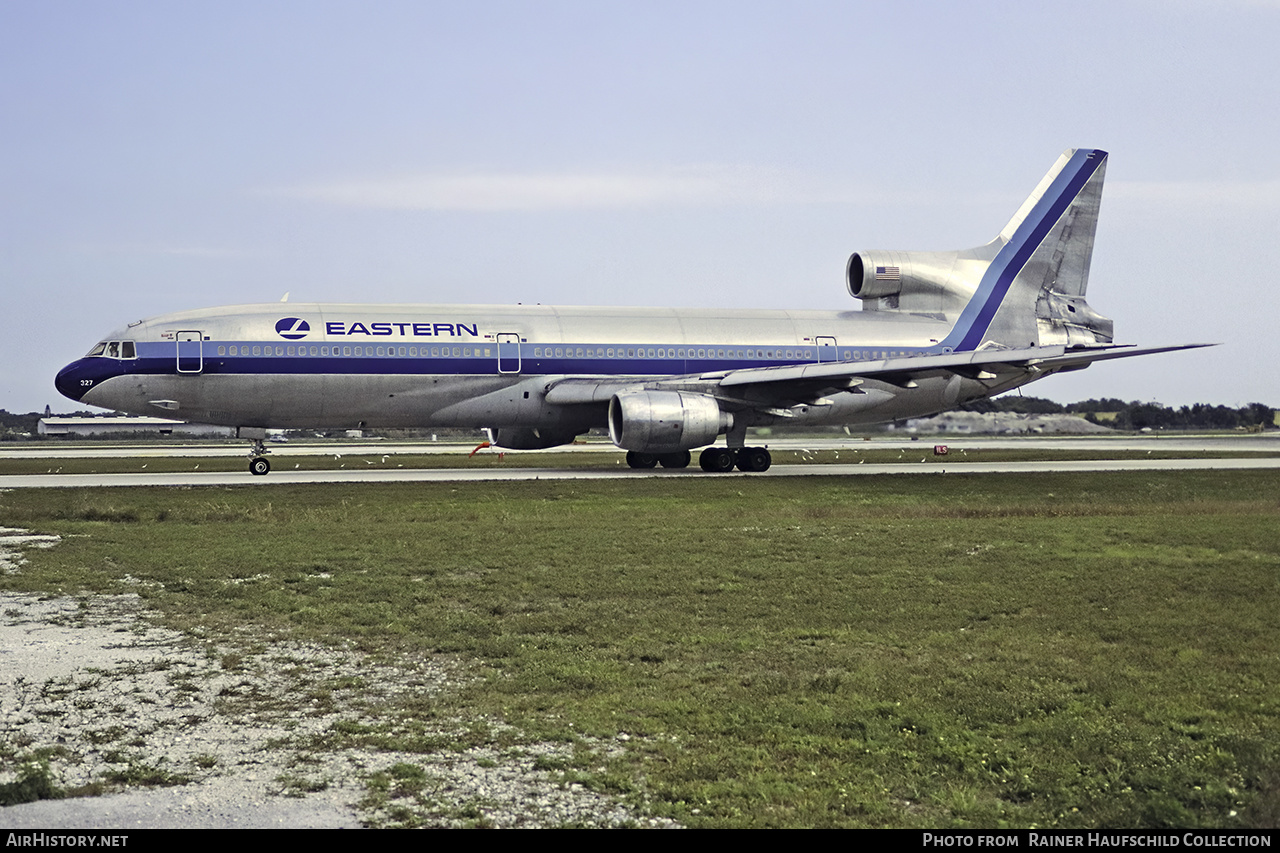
888	273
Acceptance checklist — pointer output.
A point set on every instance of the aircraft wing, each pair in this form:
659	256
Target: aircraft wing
980	364
779	387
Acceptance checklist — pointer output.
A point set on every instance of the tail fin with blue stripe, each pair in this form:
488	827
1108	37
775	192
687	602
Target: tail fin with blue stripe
1026	288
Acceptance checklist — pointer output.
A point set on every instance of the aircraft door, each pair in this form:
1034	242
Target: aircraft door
508	353
190	352
826	349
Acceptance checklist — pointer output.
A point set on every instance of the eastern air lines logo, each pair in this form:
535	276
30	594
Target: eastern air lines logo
292	328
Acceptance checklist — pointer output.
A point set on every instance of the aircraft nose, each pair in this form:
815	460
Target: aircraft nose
81	376
68	381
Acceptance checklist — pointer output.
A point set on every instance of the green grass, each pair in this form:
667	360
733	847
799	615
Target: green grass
1023	650
34	782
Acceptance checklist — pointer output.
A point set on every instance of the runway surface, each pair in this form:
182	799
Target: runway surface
1268	443
441	475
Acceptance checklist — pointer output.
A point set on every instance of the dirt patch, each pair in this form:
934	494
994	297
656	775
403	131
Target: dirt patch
153	729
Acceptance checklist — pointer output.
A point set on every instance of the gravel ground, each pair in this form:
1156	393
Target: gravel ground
169	732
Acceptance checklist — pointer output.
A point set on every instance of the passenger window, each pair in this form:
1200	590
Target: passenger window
257	350
222	350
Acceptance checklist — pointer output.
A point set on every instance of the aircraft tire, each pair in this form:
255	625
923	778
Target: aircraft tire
680	459
259	465
754	459
641	460
717	460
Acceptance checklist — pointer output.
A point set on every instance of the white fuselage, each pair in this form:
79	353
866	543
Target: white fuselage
335	365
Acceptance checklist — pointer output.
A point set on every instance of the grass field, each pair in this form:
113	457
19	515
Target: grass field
1021	650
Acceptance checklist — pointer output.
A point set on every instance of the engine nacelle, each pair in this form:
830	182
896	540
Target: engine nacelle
665	421
514	438
925	282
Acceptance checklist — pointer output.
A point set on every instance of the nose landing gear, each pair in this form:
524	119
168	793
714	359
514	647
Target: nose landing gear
259	464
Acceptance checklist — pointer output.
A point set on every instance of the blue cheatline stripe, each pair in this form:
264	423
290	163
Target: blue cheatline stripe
158	359
976	317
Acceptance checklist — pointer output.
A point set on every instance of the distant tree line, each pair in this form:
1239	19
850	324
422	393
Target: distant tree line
18	424
1137	415
14	425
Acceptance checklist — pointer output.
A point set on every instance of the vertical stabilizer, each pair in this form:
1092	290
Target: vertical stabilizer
1032	293
1024	288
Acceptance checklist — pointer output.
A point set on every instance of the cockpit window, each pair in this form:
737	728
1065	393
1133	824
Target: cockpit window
114	349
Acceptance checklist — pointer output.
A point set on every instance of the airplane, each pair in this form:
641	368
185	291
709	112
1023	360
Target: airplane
936	330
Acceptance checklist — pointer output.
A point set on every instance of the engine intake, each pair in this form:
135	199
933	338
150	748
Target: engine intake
868	279
665	421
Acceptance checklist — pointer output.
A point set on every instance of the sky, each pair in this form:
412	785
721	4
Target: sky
159	156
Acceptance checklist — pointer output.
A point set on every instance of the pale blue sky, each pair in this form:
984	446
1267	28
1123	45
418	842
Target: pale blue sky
160	156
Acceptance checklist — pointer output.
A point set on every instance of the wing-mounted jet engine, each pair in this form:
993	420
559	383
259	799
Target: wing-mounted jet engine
518	438
665	421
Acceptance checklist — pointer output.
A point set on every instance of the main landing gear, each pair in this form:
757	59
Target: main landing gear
721	460
717	460
679	459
